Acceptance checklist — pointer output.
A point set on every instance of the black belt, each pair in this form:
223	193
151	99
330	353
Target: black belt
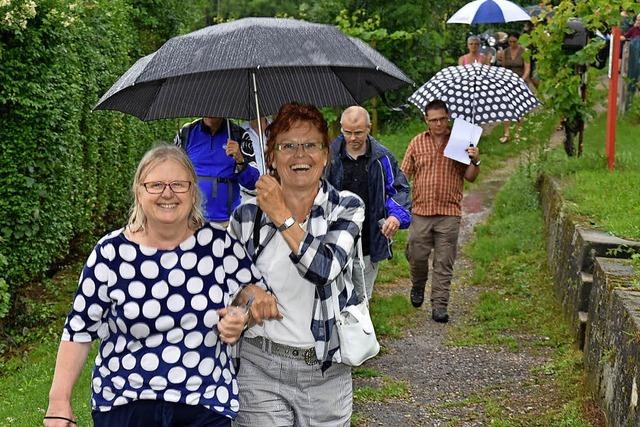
306	354
214	188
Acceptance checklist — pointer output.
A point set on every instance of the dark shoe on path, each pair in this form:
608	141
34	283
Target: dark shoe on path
417	296
440	315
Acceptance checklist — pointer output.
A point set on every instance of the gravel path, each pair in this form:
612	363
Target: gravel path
447	383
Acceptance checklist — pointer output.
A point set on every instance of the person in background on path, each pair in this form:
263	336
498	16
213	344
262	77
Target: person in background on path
251	127
633	31
512	58
533	75
304	243
154	294
437	183
473	43
222	162
365	167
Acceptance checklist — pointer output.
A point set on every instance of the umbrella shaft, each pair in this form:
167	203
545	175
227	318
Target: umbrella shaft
260	131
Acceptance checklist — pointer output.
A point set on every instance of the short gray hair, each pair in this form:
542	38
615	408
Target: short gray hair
160	153
473	38
354	108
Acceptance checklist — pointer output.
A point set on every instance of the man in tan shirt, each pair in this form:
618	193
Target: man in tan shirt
437	193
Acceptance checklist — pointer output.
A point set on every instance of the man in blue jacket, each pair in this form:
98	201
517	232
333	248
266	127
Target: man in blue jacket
223	158
365	167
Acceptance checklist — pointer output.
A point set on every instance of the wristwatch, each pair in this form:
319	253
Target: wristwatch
475	163
286	224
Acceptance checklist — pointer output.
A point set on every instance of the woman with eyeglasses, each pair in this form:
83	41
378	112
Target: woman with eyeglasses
474	55
155	295
512	57
301	233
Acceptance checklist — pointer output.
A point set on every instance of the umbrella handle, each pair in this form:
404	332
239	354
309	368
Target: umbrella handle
260	131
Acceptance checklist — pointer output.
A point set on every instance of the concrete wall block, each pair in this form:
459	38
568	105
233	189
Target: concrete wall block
571	251
612	348
566	251
599	302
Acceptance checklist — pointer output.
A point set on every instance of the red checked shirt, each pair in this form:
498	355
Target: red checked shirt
437	180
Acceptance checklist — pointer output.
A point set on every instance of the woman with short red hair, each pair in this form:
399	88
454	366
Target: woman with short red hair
301	233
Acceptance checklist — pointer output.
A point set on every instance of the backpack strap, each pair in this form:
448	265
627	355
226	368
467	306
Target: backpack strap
182	137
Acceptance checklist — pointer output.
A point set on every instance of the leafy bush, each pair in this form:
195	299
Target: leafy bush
65	170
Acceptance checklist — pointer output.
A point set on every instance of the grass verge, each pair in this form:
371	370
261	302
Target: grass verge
609	199
24	391
517	308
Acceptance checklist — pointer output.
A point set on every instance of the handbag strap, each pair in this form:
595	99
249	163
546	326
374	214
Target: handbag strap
334	287
360	259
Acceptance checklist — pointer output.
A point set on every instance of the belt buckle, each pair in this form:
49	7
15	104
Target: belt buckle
310	356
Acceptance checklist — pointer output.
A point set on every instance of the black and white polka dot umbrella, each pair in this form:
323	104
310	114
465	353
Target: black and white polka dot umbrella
478	93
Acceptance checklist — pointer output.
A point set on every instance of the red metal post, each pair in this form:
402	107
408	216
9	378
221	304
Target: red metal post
612	111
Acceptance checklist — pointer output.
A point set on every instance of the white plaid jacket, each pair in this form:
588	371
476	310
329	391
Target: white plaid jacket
326	254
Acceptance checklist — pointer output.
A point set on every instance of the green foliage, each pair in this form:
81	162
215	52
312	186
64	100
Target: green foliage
633	113
66	170
158	20
559	70
5	295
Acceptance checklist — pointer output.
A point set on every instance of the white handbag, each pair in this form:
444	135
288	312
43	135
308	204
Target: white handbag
358	342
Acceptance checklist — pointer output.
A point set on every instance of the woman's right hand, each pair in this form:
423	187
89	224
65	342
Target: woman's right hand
271	199
62	409
264	306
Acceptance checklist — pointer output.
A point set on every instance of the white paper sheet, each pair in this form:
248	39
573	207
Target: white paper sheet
462	135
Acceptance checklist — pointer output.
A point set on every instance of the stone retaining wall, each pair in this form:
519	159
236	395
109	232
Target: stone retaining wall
594	289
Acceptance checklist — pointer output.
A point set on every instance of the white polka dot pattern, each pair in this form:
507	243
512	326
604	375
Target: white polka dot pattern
155	313
478	93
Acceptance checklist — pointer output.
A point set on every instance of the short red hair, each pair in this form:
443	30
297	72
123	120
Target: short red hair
290	114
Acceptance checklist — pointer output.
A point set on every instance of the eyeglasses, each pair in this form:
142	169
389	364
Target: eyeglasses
157	187
354	133
292	147
438	120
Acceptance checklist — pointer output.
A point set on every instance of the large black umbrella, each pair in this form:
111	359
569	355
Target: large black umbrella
478	93
249	68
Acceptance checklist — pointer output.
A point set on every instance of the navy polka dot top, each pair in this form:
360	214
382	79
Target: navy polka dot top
154	312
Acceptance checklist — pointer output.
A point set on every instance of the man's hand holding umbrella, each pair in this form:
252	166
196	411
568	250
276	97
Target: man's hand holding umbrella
233	150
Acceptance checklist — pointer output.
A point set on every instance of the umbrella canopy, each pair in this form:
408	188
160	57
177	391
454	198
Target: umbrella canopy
478	93
223	70
489	12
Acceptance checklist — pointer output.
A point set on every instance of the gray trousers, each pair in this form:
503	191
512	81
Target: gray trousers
440	234
278	391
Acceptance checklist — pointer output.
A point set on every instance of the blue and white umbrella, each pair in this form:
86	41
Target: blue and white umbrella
489	12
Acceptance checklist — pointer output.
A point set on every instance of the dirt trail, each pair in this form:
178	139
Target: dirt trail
445	381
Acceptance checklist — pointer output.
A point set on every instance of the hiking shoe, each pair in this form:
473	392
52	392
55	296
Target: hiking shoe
417	296
440	315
